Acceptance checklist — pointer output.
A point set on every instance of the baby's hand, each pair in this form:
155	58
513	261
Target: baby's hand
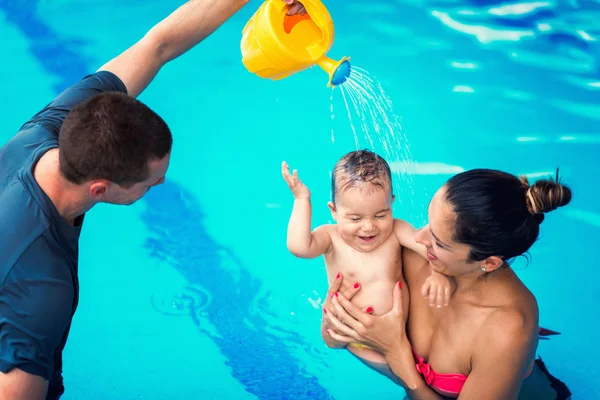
299	189
438	288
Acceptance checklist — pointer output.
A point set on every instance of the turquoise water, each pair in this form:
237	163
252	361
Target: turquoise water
191	293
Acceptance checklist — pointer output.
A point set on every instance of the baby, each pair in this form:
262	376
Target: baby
365	243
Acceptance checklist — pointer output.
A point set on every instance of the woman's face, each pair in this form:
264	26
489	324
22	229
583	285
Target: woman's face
445	255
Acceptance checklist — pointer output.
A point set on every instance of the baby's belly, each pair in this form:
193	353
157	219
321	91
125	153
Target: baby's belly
378	294
367	354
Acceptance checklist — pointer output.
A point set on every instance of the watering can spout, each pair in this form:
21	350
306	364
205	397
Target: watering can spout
276	45
338	71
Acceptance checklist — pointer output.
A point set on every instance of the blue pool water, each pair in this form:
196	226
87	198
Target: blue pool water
191	293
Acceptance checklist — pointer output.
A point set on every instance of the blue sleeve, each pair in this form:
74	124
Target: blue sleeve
40	133
52	116
34	315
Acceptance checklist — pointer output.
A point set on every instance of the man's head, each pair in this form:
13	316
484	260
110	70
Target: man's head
361	191
116	145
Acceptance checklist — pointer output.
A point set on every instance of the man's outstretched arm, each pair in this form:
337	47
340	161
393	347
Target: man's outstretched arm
180	31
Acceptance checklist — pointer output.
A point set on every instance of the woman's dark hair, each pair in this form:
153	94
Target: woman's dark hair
499	214
111	136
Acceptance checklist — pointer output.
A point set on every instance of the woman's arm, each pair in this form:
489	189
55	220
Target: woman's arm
348	291
329	341
385	333
401	362
504	350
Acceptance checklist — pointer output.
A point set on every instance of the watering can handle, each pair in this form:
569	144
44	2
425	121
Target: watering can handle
315	9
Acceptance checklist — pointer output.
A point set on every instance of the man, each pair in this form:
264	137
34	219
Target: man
95	143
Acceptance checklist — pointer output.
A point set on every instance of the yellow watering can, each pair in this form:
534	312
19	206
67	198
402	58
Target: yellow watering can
276	45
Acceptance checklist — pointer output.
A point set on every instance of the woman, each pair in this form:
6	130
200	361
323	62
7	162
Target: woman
483	344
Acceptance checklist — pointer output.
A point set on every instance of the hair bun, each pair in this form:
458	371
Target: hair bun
546	195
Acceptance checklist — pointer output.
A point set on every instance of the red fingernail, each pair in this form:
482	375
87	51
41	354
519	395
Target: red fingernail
328	331
356	285
370	310
325	311
336	294
400	285
338	276
333	295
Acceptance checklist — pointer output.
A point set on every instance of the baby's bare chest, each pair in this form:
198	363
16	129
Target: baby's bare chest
381	264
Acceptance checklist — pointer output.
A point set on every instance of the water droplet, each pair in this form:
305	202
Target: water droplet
372	117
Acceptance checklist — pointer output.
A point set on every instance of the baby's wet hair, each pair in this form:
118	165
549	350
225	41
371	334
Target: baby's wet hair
359	167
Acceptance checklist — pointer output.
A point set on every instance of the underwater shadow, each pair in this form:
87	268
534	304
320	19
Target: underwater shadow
60	57
223	300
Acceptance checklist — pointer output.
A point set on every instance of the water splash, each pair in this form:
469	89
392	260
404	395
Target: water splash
372	118
182	301
332	116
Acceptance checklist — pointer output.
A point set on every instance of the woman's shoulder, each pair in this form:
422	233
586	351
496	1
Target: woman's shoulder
515	318
521	319
508	331
517	299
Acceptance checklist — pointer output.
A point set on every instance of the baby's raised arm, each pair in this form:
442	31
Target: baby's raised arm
303	243
300	240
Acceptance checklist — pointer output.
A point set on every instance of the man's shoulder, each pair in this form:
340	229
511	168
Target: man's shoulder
40	133
23	224
24	149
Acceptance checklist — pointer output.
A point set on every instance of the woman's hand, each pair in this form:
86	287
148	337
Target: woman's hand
348	290
385	333
351	324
